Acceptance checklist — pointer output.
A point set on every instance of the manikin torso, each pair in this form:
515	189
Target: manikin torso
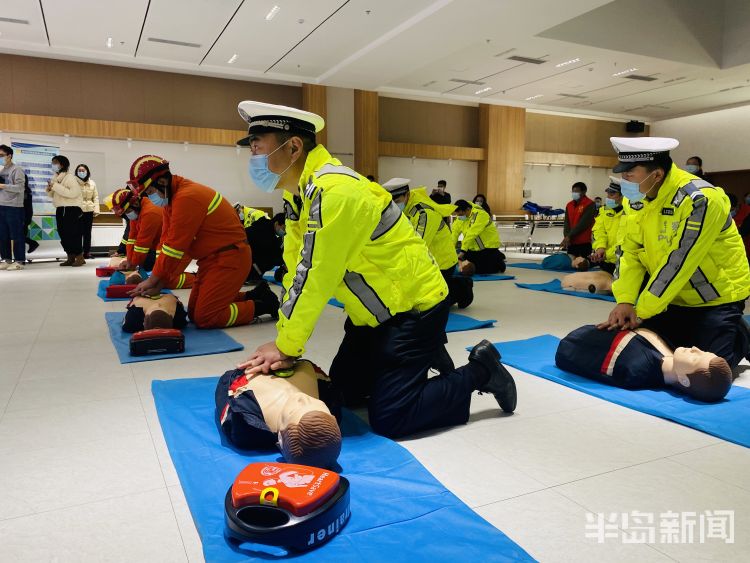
584	281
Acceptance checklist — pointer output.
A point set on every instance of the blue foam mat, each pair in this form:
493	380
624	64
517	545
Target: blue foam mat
101	292
555	286
491	277
197	342
400	512
726	420
537	266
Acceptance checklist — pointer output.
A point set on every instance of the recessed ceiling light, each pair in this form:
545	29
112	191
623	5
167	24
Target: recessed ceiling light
272	13
109	42
232	59
627	71
566	63
483	90
534	97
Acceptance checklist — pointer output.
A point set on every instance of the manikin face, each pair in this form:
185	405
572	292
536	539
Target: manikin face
690	360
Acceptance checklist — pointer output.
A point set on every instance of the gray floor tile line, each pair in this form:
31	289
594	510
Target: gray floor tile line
18	379
744	488
161	470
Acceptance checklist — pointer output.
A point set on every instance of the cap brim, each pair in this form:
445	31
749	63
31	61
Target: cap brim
624	167
244	141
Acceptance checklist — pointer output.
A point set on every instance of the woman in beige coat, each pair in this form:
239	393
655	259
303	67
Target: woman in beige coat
90	205
68	200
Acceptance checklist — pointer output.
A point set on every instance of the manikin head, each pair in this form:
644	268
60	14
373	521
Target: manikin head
580	263
308	433
702	375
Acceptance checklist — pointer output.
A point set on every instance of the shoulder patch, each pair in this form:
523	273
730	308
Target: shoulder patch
637	206
667	211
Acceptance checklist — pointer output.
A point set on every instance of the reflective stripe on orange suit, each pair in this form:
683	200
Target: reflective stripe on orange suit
145	232
198	223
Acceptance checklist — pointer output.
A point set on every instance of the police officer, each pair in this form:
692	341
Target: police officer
480	244
356	245
606	229
431	222
679	236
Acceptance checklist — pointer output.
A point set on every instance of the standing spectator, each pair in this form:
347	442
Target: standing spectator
740	213
12	243
598	202
480	200
439	195
67	198
28	213
694	165
580	214
90	208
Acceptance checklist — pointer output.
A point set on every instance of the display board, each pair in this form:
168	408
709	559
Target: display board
35	159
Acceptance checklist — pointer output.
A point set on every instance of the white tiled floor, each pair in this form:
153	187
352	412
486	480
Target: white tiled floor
85	474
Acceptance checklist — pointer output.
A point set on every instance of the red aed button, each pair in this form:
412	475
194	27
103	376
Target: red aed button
300	489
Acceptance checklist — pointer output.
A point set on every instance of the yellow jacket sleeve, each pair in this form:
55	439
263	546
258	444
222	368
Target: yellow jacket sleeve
599	232
339	226
477	224
426	223
692	242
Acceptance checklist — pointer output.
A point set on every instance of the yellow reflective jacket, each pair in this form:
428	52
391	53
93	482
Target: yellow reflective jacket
292	236
687	243
479	231
606	231
357	246
250	215
430	221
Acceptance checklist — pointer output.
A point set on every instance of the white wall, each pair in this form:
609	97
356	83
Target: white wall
460	175
221	168
721	138
551	185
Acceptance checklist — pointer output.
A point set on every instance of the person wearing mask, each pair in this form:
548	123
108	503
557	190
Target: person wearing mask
681	238
90	208
198	222
248	215
480	246
28	214
12	238
358	246
580	214
598	202
439	195
606	231
266	239
67	198
694	165
481	201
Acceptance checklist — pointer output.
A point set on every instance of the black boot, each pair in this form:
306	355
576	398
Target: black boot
466	293
33	245
501	383
266	301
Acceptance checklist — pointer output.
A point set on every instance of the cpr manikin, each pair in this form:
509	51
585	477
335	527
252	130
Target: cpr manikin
161	311
293	413
641	359
592	282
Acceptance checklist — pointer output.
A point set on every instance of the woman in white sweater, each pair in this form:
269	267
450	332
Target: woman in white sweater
90	205
68	200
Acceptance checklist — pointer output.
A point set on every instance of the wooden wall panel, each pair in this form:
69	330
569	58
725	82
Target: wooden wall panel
428	123
500	174
50	87
437	152
315	99
366	132
572	135
570	159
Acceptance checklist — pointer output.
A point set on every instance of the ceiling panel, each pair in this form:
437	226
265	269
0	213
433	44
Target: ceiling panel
24	11
259	43
196	22
87	24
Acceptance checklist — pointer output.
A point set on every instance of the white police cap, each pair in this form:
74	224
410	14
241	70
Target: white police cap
264	118
636	150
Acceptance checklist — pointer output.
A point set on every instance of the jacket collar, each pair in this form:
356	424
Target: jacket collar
316	158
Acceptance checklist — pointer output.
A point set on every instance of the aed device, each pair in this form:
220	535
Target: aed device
157	341
287	505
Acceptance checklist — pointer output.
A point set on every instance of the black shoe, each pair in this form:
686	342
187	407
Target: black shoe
266	301
467	294
33	245
501	383
443	363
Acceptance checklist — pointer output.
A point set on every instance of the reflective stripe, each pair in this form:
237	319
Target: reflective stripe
214	203
130	241
336	169
727	224
480	243
290	212
180	281
388	219
233	312
141	249
690	235
473	218
422	223
124	241
305	263
618	254
172	252
367	296
704	288
309	189
158	252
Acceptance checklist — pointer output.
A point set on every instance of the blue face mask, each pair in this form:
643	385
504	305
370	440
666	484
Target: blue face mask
157	200
575	196
132	215
692	168
598	204
611	203
631	190
56	168
401	205
261	175
463	217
